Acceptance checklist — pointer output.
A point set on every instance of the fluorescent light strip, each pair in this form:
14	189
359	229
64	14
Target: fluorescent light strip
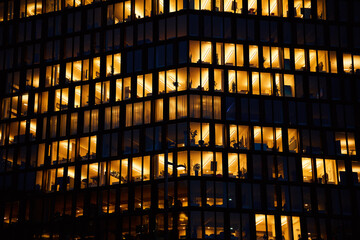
252	4
253	55
229	55
257	133
204	5
206	80
142	85
209	160
206	53
260	221
228	5
274	58
273	7
233	161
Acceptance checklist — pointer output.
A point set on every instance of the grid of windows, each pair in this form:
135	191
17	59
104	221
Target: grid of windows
224	119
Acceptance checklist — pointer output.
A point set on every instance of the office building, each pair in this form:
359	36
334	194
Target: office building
176	119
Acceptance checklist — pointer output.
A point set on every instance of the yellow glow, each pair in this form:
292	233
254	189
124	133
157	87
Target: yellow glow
274	58
260	221
253	55
273	7
207	52
233	161
228	5
298	58
205	82
205	3
205	135
229	55
257	133
208	160
252	4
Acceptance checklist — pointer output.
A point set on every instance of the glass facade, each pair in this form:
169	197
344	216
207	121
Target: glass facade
176	119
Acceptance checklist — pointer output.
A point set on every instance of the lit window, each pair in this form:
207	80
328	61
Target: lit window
119	89
32	78
139	8
351	63
331	171
273	7
238	81
321	9
53	75
218	80
24	104
307	169
159	165
113	64
182	165
290	227
318	61
141	168
199	134
302	9
275	57
61	99
265	226
264	138
211	165
81	98
199	79
255	80
85	151
219	135
239	137
173	80
285	85
347	63
199	54
356	172
268	137
159	105
253	55
299	59
30	8
126	88
182	223
50	180
293	143
237	165
345	145
96	68
229	52
200	4
229	6
160	6
351	144
278	140
102	92
144	85
266	83
118	13
252	7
